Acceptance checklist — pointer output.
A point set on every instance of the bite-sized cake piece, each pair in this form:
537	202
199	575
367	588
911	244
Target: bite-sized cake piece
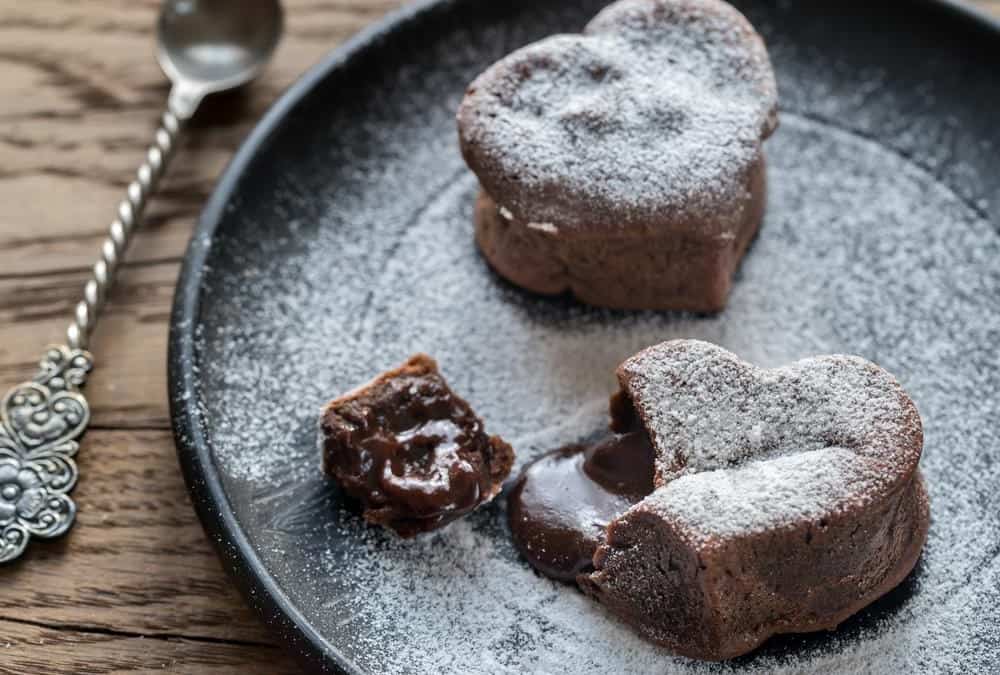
786	500
412	452
625	164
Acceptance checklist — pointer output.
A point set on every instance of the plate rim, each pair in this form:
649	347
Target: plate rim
204	483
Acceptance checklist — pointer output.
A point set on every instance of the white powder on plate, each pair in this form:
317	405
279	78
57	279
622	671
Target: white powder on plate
862	251
853	257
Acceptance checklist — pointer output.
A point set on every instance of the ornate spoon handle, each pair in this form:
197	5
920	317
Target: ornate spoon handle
130	212
41	420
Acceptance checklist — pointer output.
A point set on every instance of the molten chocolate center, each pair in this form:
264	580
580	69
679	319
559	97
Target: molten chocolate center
562	502
415	448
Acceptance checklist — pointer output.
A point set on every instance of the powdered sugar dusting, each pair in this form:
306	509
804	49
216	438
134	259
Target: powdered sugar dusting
742	449
539	373
362	254
705	409
657	110
763	495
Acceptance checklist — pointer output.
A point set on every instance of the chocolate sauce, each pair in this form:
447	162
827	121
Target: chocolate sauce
562	502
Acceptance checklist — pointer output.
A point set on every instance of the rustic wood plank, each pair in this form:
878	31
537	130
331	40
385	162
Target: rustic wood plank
135	584
128	387
75	121
25	647
135	587
133	559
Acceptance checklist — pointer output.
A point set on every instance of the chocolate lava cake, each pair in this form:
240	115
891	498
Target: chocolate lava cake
783	500
625	164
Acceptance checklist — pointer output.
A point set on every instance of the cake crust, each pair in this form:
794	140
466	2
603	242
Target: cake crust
787	499
625	164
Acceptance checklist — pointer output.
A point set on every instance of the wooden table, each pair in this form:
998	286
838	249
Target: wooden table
136	585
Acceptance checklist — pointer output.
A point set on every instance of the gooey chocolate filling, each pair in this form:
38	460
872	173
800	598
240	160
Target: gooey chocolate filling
411	451
563	501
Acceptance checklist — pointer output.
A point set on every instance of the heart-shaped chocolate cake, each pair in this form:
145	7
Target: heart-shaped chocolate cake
625	164
783	500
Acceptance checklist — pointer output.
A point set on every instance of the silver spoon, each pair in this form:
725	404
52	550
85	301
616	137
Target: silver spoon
204	47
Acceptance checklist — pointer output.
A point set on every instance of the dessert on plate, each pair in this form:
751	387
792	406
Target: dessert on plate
411	451
625	164
782	500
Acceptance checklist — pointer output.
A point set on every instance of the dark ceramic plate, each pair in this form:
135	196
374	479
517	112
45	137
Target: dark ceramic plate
339	241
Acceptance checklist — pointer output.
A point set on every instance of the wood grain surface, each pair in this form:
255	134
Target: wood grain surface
136	586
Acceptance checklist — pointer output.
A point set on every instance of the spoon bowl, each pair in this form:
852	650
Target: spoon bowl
208	46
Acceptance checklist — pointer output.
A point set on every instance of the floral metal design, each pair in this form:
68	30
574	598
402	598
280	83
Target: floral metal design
40	422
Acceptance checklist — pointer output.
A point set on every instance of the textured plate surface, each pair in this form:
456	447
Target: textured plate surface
339	241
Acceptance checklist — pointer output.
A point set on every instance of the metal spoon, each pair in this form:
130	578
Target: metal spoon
204	47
